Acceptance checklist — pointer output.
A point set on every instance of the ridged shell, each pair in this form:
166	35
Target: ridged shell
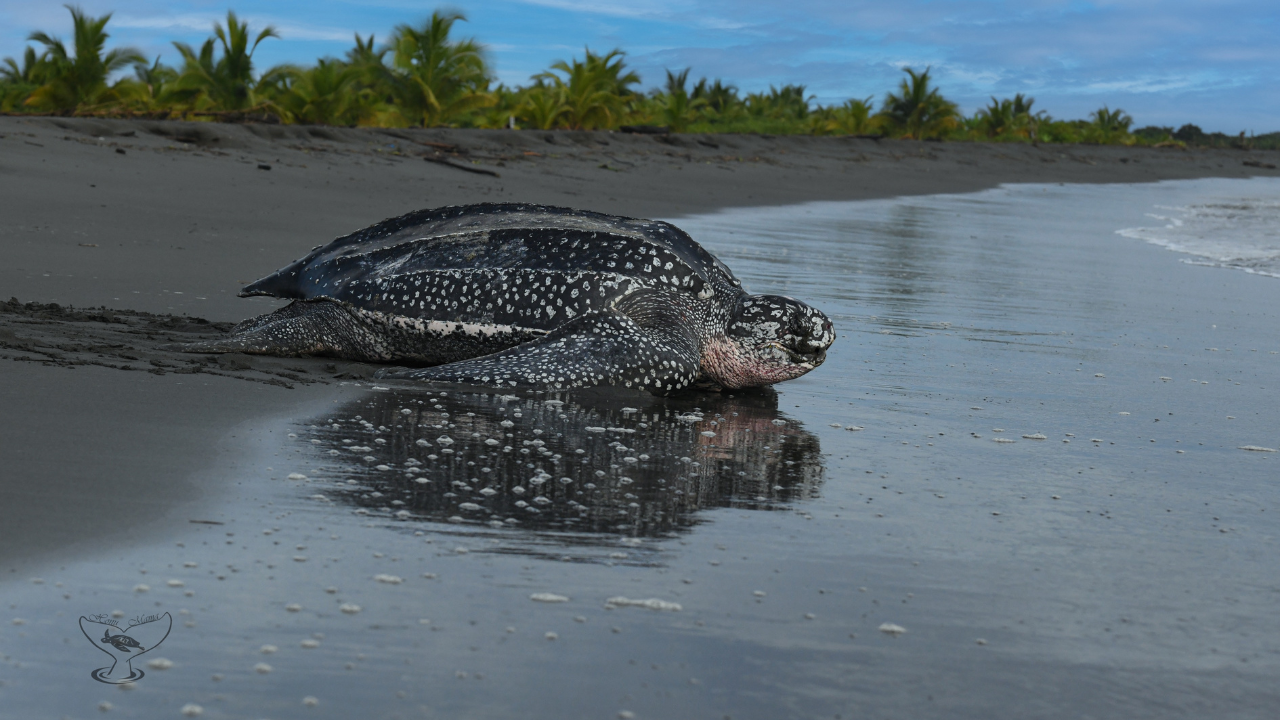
527	265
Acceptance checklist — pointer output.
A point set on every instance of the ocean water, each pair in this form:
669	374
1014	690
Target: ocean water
1019	487
1239	230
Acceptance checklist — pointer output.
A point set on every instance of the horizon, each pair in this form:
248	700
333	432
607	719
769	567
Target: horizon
1184	64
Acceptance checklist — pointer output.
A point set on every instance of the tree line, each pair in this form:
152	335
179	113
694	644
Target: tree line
422	76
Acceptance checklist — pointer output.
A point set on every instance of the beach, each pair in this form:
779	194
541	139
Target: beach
1017	488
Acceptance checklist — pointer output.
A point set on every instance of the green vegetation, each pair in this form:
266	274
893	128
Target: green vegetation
424	77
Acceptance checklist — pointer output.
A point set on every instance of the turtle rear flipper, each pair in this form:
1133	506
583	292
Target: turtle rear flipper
331	328
602	348
299	328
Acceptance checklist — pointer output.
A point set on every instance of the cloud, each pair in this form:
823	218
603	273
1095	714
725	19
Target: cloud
203	23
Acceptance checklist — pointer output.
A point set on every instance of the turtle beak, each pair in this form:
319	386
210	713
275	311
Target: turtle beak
812	359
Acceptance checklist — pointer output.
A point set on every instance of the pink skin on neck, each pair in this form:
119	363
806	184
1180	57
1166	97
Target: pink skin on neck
733	366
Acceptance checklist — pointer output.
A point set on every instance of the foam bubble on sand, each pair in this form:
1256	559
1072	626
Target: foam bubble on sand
160	663
892	629
548	597
1003	440
297	476
388	579
1257	448
349	608
191	710
651	603
1035	436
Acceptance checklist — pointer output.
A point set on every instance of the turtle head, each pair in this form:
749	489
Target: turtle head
771	338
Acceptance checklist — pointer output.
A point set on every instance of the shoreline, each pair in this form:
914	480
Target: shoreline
151	215
172	218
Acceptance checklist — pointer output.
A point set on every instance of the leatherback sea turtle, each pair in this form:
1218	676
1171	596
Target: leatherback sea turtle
529	295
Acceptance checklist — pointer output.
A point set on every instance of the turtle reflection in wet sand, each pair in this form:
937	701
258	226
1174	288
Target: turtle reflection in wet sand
517	295
599	463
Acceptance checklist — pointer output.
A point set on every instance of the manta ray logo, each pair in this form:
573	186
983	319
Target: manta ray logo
142	635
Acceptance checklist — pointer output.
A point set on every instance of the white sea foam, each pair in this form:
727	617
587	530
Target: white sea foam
1241	233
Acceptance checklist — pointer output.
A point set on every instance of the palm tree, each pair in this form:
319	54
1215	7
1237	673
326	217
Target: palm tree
363	53
1108	126
852	118
226	83
78	81
720	97
544	106
31	72
786	103
320	95
372	102
17	82
918	111
148	90
596	88
1009	118
678	109
434	79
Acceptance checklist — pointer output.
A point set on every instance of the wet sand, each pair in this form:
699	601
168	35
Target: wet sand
173	218
116	444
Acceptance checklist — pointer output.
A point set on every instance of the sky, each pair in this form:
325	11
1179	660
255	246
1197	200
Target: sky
1212	63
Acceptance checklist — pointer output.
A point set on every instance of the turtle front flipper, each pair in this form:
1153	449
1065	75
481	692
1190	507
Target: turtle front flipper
656	352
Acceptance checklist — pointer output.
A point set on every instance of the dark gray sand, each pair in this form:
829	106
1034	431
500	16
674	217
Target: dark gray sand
185	217
1127	572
